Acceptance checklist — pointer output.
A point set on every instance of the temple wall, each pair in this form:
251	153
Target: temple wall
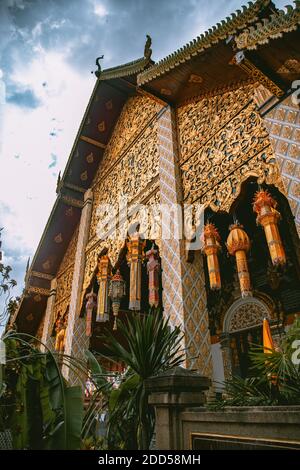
283	124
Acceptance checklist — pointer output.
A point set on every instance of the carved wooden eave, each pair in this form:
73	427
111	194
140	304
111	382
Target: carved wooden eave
130	68
270	37
228	27
270	28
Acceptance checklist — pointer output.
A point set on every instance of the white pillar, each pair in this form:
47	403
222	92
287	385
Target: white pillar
76	341
49	320
184	294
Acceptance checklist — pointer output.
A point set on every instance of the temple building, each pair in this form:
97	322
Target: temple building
216	124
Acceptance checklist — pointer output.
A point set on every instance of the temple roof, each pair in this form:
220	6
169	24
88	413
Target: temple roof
231	25
267	38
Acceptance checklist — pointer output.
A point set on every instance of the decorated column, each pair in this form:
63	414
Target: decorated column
135	246
49	320
76	341
184	293
103	277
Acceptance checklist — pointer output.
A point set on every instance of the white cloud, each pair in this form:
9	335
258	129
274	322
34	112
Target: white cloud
100	10
27	189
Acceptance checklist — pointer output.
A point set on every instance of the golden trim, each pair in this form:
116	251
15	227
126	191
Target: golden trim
244	63
38	290
270	28
155	98
92	141
41	275
70	201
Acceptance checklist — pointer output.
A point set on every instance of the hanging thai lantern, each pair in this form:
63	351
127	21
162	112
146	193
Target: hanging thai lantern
238	244
116	292
103	276
153	269
211	248
267	216
89	307
135	246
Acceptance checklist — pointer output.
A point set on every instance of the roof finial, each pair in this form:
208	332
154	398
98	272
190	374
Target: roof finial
58	183
148	50
98	71
27	265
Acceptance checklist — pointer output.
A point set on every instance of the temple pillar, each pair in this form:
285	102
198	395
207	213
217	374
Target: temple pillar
283	124
184	294
226	355
76	341
47	339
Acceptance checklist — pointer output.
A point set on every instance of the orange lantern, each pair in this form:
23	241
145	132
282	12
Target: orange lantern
103	276
238	244
267	216
211	248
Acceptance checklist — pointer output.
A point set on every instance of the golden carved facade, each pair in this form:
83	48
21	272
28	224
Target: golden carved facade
136	114
129	167
223	141
65	277
200	120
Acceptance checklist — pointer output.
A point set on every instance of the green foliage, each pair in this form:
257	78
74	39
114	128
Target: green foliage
147	347
41	410
277	380
6	285
44	412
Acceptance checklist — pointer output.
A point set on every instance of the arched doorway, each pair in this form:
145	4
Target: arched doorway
242	328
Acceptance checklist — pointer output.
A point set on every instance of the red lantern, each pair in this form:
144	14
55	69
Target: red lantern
153	269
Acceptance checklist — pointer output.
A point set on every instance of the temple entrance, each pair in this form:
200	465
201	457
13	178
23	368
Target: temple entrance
240	345
273	289
242	330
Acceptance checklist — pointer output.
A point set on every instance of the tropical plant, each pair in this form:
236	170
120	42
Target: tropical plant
276	380
147	346
37	406
7	302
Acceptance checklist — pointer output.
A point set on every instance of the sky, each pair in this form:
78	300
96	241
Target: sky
47	52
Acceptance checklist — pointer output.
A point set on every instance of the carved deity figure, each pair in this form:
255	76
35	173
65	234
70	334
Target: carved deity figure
60	330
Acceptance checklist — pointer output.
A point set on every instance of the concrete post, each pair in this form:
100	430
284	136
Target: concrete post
170	393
